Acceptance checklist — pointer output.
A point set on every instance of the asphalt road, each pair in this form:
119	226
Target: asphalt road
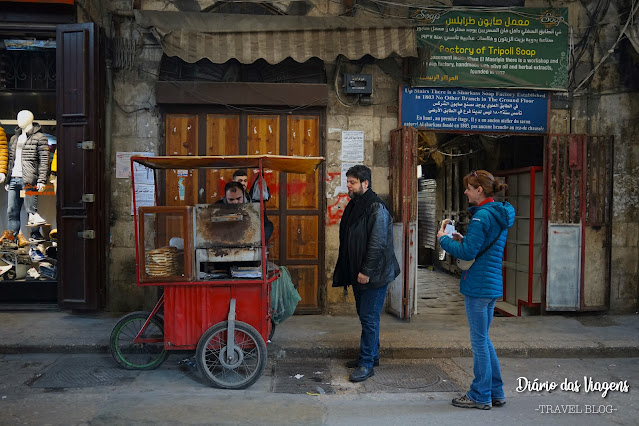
90	389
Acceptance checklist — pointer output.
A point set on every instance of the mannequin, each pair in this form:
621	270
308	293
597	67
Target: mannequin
27	171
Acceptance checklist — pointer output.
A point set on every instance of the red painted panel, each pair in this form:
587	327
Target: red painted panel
191	310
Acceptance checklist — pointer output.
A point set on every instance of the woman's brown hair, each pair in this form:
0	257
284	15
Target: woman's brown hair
486	180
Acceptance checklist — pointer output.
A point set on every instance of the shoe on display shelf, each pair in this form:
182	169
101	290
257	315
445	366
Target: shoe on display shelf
8	240
51	252
35	254
33	274
22	240
9	259
36	219
36	237
7	235
48	270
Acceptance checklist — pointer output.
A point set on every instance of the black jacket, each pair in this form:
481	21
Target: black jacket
366	243
35	156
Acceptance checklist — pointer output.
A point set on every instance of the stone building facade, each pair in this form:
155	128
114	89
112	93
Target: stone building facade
607	104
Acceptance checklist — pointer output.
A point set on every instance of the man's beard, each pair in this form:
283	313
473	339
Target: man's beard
354	195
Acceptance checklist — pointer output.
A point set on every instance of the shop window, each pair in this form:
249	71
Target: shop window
27	78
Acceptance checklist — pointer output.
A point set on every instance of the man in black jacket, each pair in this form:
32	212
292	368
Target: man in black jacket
367	262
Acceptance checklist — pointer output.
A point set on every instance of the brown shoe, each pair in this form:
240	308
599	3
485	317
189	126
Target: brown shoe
7	240
8	235
22	241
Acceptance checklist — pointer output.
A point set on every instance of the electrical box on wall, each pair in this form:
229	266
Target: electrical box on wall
358	83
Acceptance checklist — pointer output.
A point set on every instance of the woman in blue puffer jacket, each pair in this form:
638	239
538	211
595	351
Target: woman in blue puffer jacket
482	284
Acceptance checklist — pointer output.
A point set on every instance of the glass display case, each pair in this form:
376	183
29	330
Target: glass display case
166	243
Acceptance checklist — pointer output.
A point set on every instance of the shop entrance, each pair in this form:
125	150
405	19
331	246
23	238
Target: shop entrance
28	259
56	72
445	159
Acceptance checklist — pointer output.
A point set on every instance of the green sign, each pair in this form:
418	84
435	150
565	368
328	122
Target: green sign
516	48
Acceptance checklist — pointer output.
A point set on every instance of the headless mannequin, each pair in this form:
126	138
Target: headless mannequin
28	158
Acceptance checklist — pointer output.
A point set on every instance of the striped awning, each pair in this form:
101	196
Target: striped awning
219	37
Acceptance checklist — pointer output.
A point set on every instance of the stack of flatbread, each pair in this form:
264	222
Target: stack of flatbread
162	262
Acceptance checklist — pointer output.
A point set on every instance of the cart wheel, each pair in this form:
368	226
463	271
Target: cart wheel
250	351
138	356
10	275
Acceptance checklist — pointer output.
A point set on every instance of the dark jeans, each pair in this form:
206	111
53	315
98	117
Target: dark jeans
487	384
369	303
14	203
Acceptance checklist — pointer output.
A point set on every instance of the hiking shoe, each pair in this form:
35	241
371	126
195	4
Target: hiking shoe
499	402
354	363
36	237
36	219
7	235
8	240
35	255
465	402
22	240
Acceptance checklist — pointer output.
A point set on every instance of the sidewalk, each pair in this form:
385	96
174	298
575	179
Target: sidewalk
425	336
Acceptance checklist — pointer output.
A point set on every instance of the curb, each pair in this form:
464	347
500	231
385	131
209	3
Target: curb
279	352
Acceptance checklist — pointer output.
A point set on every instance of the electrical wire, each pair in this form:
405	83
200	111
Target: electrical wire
612	49
338	64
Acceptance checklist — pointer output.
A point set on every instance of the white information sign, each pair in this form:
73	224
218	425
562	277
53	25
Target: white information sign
353	146
123	163
144	178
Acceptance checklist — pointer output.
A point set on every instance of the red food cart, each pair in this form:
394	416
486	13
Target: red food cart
212	262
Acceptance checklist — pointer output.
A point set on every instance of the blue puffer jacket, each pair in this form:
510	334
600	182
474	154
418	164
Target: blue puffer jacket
484	278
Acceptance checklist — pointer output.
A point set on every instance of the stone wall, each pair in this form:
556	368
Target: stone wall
136	127
376	121
607	105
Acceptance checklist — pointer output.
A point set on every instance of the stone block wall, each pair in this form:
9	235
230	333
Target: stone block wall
376	121
136	128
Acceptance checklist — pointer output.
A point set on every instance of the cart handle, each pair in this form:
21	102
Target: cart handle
230	335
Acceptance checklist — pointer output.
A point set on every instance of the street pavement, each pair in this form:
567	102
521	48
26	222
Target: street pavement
176	394
438	330
534	351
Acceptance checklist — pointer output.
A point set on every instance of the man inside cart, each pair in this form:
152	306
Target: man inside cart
241	176
234	194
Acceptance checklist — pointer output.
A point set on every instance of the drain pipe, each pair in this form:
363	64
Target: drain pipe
108	130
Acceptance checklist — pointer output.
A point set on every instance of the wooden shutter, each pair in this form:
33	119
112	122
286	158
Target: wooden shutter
81	221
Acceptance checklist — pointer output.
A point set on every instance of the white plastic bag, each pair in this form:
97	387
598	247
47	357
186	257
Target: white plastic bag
254	192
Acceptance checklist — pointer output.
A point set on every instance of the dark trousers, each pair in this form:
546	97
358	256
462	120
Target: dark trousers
369	303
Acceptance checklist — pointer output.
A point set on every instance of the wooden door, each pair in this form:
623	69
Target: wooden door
81	215
295	207
403	173
301	217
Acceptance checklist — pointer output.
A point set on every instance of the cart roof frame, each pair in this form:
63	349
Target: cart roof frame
280	163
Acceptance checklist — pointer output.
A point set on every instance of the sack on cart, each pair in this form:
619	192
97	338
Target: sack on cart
284	296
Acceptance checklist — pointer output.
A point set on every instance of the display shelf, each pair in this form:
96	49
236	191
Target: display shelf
522	254
29	291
